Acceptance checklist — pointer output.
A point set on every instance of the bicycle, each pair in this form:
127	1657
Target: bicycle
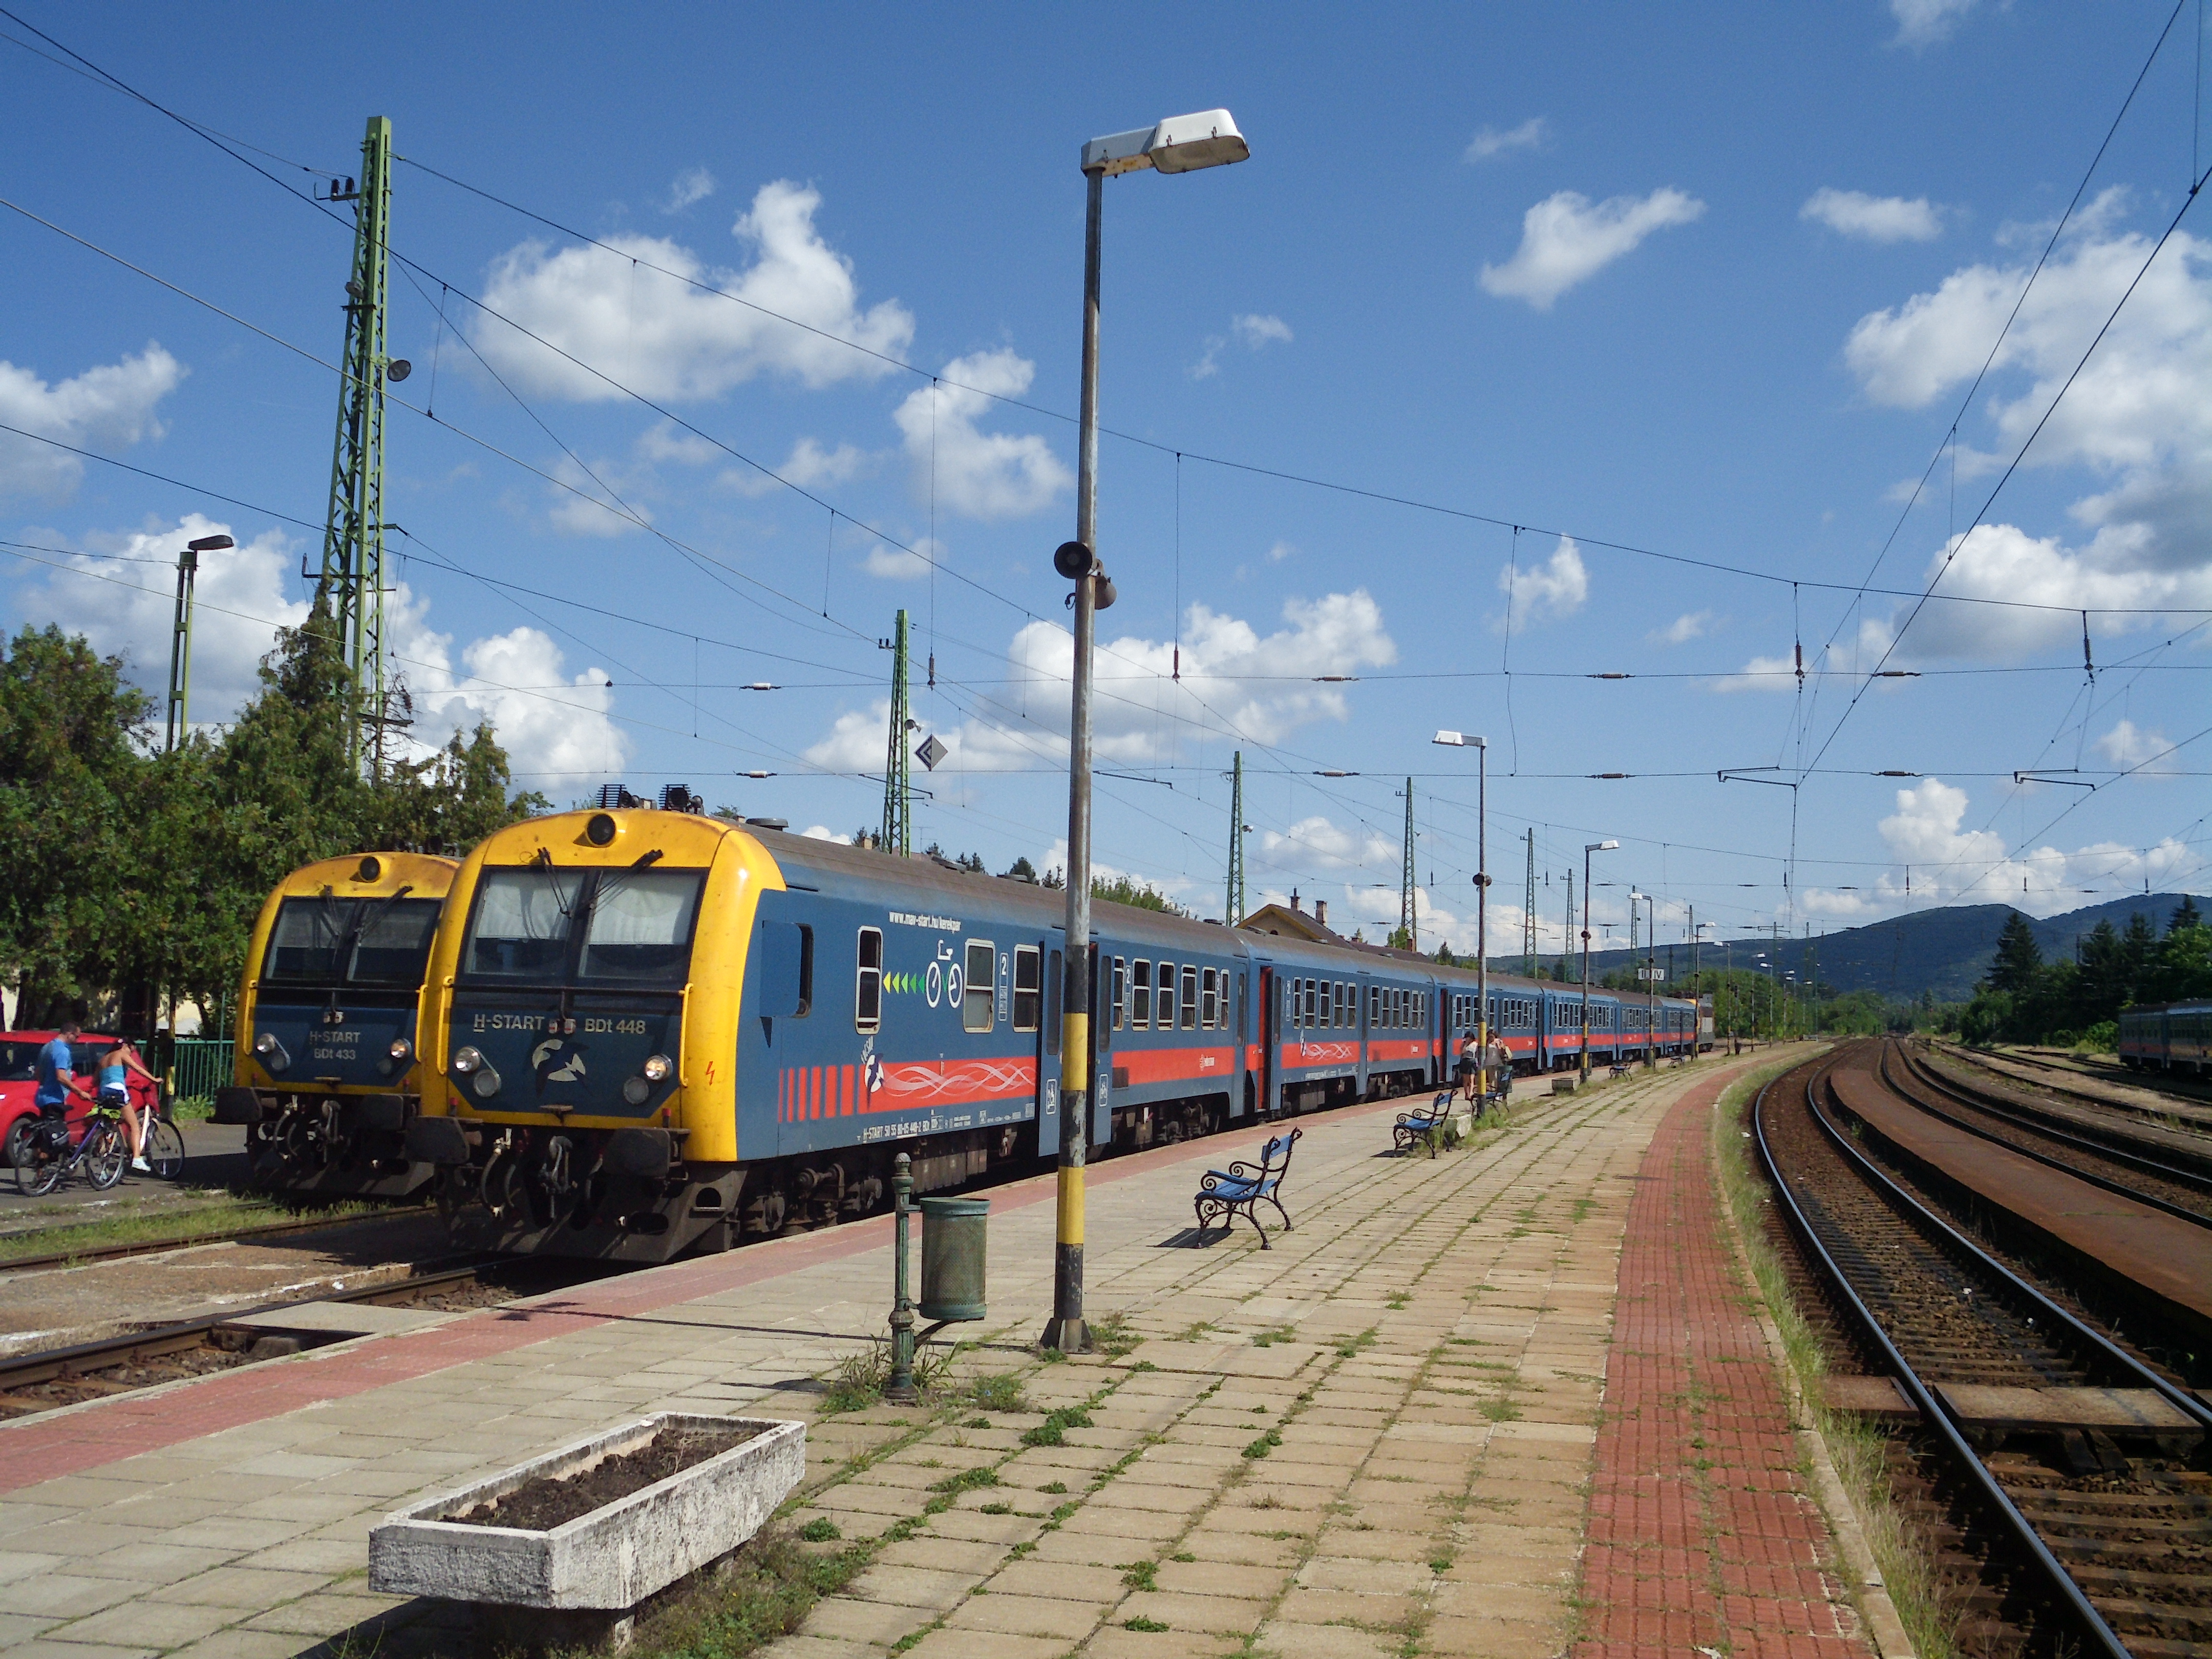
164	1146
101	1154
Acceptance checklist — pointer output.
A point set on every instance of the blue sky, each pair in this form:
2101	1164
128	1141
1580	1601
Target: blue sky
1710	283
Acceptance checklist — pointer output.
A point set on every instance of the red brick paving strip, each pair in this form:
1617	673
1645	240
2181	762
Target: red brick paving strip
108	1431
1701	1535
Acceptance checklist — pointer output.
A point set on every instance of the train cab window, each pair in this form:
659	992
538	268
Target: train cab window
868	985
1210	995
1189	998
978	992
521	925
1167	989
1029	986
640	930
1118	992
1140	995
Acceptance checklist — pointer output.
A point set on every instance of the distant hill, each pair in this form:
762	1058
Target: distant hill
1944	950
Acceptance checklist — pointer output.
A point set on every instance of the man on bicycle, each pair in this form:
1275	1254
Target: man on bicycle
115	1068
56	1082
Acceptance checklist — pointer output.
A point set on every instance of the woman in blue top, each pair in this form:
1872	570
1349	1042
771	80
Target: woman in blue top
115	1068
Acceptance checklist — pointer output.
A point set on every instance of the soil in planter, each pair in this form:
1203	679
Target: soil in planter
544	1503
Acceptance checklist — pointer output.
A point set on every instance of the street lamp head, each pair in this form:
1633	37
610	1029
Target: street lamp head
1182	143
210	544
1461	740
1603	846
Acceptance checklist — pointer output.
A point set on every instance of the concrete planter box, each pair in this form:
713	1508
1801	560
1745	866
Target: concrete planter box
603	1563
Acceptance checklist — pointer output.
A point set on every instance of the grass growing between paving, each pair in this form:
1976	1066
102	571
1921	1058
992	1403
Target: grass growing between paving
181	1219
766	1592
1903	1553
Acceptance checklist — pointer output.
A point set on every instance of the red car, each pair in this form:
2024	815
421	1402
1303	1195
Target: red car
19	1082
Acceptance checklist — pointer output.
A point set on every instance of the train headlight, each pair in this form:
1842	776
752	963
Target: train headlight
636	1090
486	1080
467	1061
271	1052
400	1050
657	1068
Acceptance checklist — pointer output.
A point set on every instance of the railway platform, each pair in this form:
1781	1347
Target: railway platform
1500	1402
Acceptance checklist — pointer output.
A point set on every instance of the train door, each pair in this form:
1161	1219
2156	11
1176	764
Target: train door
1047	1051
1248	1083
1270	1040
1102	1060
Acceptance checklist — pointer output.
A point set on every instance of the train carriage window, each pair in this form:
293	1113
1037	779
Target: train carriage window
1342	998
977	994
1029	991
1210	991
1374	1007
1121	992
1326	1003
1167	989
1311	1001
1189	998
1140	995
868	986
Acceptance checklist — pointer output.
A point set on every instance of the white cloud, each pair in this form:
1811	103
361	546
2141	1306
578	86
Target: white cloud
1690	625
1556	587
664	440
239	602
1280	552
808	465
823	832
2137	418
1230	676
981	475
663	338
1952	865
1762	674
1875	218
1566	240
898	565
1252	330
127	609
587	508
1924	23
2127	745
549	722
1529	135
1319	843
692	184
109	407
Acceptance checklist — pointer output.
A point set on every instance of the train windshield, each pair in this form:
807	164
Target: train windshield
641	927
327	941
546	925
522	923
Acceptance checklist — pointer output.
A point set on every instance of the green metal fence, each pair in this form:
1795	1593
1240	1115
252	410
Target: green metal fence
200	1066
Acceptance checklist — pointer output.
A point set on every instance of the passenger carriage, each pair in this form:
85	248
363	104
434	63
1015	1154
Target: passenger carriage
2168	1036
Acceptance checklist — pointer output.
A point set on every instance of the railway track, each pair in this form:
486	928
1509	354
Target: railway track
2183	1096
2077	1508
79	1258
2108	1154
35	1382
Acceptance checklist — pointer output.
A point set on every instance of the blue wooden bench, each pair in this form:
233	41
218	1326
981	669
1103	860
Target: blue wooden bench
1422	1126
1242	1187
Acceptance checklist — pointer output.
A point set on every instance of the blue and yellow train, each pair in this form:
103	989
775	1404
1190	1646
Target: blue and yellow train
646	1032
326	1071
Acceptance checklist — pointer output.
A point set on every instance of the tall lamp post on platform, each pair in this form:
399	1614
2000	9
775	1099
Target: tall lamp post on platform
1481	747
180	635
1182	143
1592	847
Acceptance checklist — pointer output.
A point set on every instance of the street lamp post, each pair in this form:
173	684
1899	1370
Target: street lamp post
1588	847
1481	747
1182	143
180	636
1650	1011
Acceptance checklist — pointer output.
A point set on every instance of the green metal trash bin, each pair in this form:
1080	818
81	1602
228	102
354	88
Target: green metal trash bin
953	1235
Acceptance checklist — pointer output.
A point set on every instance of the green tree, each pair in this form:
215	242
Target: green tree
2186	914
1124	890
2018	957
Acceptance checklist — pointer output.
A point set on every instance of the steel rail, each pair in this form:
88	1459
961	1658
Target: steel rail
2119	1188
2103	1639
2194	1093
2119	1146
